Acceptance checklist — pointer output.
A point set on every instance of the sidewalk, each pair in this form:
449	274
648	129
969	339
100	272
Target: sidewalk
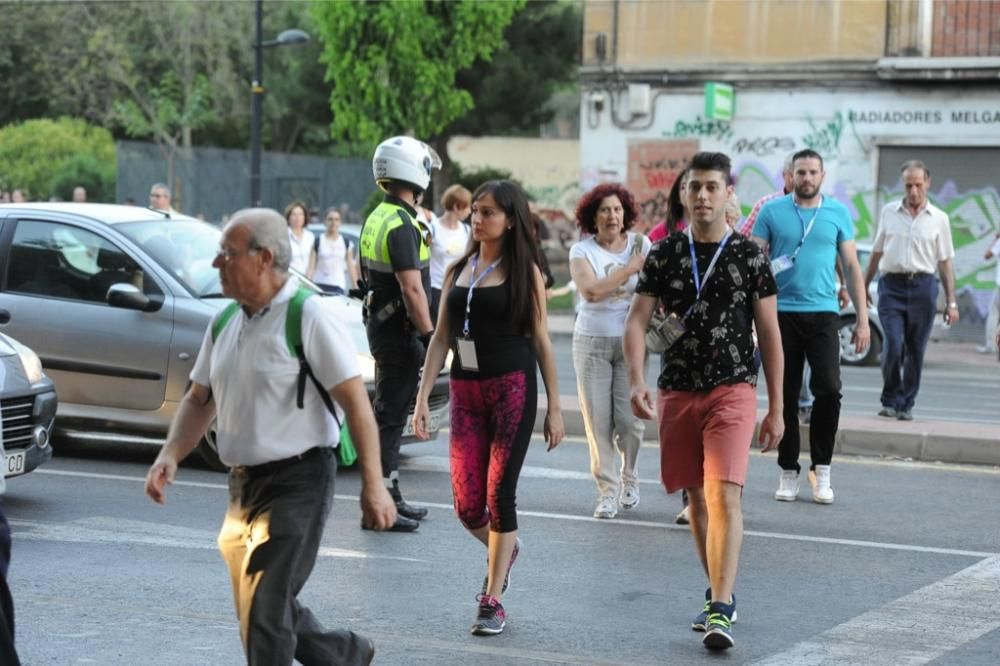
945	441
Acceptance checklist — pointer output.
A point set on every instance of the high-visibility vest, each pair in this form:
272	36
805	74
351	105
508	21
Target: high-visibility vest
374	250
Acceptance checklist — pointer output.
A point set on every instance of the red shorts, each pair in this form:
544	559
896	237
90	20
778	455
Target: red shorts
706	435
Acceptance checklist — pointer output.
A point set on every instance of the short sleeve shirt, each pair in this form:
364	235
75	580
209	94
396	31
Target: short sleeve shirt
717	346
254	379
811	284
606	318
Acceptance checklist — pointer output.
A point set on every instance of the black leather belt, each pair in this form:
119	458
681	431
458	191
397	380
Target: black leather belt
278	465
909	276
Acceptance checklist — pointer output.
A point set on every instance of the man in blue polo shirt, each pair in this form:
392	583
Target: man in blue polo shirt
803	233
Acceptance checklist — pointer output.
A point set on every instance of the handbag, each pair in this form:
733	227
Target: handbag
346	453
655	341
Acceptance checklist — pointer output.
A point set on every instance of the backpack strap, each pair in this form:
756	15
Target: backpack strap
293	337
220	321
316	243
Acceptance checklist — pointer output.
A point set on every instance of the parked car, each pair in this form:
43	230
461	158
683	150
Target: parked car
27	408
116	301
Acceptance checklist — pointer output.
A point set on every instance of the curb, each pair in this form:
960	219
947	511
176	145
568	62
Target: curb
926	441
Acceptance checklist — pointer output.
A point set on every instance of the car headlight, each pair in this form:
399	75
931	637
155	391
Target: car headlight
29	359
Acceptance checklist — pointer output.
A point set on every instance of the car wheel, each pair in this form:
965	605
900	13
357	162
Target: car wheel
848	355
209	452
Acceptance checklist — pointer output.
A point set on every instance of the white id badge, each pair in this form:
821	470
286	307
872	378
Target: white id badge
467	354
781	264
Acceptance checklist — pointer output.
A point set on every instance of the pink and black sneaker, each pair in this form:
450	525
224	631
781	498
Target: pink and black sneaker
491	618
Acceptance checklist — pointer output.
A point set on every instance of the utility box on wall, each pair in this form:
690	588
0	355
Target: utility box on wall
720	101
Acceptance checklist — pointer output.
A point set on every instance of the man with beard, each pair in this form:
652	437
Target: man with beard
804	232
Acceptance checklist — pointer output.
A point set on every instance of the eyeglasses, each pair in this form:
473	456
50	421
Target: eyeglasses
228	255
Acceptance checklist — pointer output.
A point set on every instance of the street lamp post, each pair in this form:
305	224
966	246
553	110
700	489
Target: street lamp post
285	38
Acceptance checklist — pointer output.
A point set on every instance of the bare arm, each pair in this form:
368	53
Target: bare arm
593	289
352	270
873	262
437	352
859	295
377	508
634	343
948	280
311	268
554	428
415	299
194	416
765	317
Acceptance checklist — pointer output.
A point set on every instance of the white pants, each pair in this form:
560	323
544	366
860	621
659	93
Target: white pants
613	431
992	319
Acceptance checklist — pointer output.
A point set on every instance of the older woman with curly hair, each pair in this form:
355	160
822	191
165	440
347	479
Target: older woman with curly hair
605	268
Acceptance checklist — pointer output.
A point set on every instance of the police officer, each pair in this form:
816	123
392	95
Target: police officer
395	260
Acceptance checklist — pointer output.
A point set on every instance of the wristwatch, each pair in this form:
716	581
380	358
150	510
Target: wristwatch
953	304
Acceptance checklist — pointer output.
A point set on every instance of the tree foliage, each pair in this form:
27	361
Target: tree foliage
39	155
393	65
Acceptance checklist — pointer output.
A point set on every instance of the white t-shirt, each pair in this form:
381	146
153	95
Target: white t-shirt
301	250
606	318
253	377
331	262
447	245
996	255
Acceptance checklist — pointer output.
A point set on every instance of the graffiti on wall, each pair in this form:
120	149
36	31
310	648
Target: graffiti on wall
653	166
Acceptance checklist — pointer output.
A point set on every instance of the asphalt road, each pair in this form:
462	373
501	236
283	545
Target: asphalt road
903	568
948	391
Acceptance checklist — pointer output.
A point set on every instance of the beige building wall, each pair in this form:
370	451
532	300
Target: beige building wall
549	169
655	34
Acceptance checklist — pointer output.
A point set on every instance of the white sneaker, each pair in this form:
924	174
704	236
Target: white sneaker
607	507
788	486
819	479
630	496
684	517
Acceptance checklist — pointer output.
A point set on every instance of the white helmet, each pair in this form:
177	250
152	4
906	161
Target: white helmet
405	159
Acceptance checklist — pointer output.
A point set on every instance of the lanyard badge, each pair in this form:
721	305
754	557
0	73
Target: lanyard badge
466	345
787	261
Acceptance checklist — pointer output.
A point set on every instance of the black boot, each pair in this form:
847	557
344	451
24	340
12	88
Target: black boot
410	511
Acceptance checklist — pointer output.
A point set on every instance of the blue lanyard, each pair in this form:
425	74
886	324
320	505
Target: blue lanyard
698	283
472	285
806	229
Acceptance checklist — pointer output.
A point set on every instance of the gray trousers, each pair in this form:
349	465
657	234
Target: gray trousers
269	541
613	431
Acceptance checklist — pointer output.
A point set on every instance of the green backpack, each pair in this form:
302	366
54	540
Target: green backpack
346	453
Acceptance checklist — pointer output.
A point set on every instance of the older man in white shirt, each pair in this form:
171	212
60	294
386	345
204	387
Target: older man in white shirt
913	242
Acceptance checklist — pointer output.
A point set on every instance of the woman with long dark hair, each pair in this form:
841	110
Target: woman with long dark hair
677	214
493	317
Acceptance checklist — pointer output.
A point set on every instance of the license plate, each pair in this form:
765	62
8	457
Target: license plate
433	423
13	463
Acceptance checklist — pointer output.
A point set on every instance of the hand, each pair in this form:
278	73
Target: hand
378	511
861	338
161	474
421	415
635	264
843	298
772	429
951	316
869	301
642	402
554	429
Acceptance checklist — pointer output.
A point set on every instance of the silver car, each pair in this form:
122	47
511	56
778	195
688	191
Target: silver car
27	408
116	300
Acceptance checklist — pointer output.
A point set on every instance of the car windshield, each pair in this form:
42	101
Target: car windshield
186	248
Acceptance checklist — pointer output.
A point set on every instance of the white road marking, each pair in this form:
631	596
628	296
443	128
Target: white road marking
430	464
107	529
914	629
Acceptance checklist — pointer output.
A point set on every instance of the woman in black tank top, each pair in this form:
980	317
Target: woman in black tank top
495	323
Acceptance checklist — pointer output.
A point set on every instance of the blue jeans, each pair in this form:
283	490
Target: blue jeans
906	306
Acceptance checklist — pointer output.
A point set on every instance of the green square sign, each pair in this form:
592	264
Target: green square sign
720	101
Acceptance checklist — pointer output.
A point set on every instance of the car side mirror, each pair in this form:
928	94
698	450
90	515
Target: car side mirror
129	297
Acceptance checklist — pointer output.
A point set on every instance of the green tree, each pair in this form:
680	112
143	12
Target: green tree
392	65
36	154
539	57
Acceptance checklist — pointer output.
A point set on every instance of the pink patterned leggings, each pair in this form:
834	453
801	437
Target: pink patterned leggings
491	424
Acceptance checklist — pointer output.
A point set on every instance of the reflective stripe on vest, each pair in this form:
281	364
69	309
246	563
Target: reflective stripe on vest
374	242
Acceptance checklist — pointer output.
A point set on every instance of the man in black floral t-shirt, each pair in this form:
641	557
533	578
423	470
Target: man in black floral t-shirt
718	284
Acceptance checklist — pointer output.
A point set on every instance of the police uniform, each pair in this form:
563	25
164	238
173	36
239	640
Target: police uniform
392	240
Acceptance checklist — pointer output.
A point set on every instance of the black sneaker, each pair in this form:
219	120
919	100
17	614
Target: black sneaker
700	620
510	565
719	628
491	618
